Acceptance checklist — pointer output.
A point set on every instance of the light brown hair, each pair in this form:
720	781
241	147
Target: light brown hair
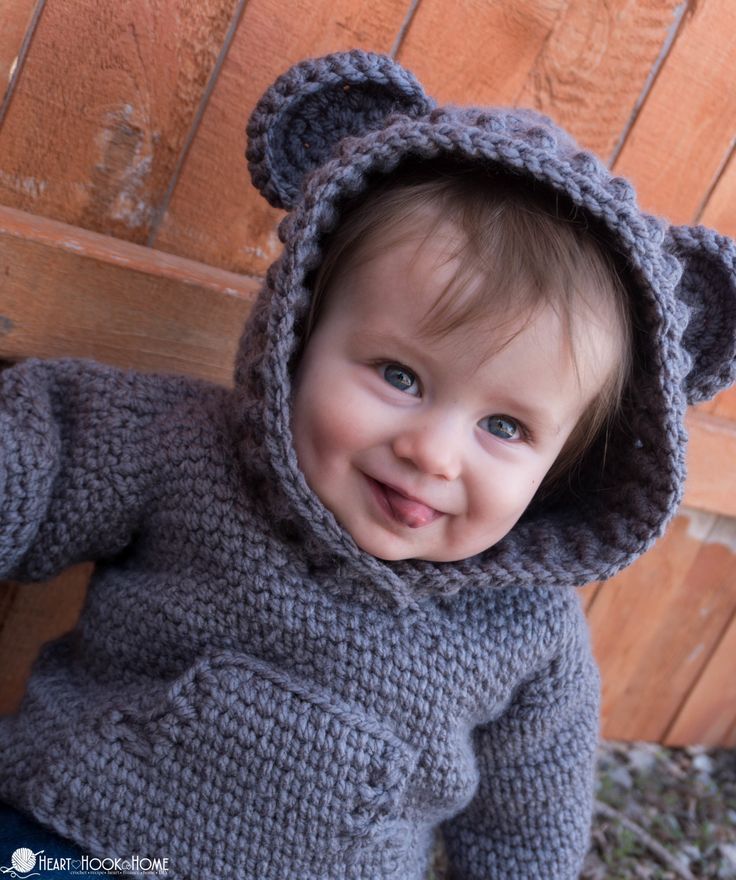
530	246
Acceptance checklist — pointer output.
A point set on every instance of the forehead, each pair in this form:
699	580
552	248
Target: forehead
394	283
400	272
427	269
384	298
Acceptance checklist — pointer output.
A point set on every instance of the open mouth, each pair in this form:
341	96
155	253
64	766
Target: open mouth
407	511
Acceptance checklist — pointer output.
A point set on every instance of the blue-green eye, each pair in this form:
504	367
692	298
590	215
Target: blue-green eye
401	378
503	427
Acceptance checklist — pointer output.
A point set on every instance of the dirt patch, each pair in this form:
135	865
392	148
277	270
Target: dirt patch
664	814
661	814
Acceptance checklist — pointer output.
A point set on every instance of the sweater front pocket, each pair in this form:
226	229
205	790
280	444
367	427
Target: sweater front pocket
238	752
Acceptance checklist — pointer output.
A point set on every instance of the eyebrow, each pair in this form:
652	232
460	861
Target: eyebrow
538	417
391	339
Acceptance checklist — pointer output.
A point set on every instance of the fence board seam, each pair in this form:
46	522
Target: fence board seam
87	244
685	11
405	25
594	596
720	171
163	207
688	692
20	60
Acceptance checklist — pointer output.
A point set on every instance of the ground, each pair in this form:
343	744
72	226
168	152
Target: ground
661	814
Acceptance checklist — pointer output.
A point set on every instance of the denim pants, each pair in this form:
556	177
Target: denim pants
18	832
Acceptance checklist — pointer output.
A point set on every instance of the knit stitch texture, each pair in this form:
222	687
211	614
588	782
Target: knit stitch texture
247	692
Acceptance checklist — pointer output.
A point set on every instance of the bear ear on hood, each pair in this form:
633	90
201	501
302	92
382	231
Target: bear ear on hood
302	117
708	288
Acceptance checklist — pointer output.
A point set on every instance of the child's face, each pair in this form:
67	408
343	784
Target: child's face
425	448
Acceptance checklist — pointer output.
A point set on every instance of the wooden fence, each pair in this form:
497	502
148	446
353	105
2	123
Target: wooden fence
129	232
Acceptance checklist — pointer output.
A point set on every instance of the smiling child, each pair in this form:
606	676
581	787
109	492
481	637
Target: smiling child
429	442
333	613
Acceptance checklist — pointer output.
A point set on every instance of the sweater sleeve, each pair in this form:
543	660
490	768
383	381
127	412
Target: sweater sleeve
531	814
78	461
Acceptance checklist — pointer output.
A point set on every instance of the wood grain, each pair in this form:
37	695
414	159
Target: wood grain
656	624
594	68
17	16
685	130
482	52
215	215
585	64
711	463
70	292
103	108
708	716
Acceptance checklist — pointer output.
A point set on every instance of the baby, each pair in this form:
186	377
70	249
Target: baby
468	344
333	609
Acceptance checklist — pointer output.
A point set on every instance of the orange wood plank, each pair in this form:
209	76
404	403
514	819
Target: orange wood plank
588	594
479	52
720	209
655	625
724	404
584	63
31	615
16	18
711	463
103	106
68	291
685	129
708	716
215	215
592	70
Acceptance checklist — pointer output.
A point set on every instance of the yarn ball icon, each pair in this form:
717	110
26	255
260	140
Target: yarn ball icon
23	859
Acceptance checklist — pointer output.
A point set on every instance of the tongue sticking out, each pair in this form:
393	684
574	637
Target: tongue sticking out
410	513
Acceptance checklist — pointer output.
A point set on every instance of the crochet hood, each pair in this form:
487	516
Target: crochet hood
319	137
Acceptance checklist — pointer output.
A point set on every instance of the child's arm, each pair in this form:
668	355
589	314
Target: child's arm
530	818
79	461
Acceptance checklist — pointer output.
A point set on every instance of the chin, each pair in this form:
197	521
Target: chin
420	557
388	548
385	553
383	550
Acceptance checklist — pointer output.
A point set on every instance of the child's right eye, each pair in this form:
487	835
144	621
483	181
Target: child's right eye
504	427
401	378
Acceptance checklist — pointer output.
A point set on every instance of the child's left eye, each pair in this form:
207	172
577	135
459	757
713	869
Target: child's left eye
503	427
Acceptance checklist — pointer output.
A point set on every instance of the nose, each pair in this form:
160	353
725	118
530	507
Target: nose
434	449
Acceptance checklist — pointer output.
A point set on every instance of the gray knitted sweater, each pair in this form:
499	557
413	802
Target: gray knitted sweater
247	692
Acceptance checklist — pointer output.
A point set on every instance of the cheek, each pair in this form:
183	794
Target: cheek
325	425
501	491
